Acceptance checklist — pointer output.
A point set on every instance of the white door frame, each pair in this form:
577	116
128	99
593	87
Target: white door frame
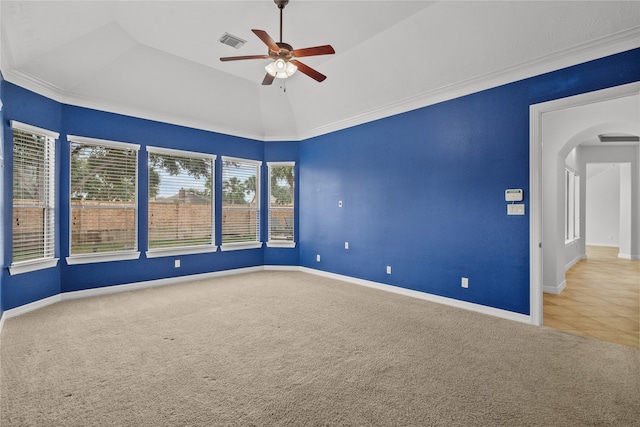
536	112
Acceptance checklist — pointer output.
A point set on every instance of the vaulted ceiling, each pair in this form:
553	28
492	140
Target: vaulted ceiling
160	59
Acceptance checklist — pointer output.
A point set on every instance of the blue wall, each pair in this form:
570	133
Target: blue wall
423	191
27	107
2	207
30	108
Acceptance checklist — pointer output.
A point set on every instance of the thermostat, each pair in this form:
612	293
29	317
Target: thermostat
513	195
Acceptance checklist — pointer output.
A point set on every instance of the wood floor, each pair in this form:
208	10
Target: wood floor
601	299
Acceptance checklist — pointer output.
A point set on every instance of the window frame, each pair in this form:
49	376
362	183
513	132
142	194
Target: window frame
243	244
571	205
280	243
193	249
114	255
48	260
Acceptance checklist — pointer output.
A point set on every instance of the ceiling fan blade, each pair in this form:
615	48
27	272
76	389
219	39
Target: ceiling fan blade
268	79
239	58
309	71
266	39
313	51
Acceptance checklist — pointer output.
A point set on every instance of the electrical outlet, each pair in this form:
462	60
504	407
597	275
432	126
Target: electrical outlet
318	257
464	282
176	263
388	269
346	245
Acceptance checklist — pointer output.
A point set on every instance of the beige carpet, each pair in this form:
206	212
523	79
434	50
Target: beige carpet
288	348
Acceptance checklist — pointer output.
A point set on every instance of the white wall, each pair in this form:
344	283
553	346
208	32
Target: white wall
625	210
603	205
627	158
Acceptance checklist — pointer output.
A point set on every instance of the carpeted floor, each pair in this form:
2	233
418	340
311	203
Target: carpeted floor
289	348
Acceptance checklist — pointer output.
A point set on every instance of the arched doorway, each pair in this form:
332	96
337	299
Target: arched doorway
557	127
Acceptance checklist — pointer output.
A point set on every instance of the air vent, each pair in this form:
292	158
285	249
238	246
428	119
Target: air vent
232	41
618	138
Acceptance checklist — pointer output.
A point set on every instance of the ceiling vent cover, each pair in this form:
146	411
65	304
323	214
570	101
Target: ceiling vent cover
618	138
232	41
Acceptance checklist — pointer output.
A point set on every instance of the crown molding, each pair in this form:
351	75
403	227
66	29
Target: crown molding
610	45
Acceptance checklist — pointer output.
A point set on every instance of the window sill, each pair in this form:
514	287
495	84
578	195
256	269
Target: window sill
239	246
27	266
186	250
105	257
281	244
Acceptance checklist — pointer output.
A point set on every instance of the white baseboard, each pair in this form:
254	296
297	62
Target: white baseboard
573	262
7	314
603	245
153	283
504	314
555	289
86	293
281	268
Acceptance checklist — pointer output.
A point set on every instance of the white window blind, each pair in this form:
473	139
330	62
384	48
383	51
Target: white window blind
281	201
180	199
33	230
240	200
103	196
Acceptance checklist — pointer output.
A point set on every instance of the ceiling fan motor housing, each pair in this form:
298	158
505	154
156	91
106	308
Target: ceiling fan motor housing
284	53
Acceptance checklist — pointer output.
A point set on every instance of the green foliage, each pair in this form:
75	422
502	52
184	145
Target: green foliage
102	173
176	165
28	176
282	181
234	191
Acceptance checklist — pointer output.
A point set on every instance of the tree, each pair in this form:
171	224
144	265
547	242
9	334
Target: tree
28	178
176	165
250	188
233	191
102	173
280	175
108	174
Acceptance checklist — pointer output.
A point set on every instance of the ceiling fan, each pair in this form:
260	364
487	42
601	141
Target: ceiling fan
284	56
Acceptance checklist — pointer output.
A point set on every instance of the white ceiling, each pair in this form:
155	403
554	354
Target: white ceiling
160	59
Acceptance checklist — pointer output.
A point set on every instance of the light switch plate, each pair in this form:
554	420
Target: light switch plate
515	209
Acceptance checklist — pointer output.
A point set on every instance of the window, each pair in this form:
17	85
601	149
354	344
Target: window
103	200
281	204
180	202
240	203
572	205
33	230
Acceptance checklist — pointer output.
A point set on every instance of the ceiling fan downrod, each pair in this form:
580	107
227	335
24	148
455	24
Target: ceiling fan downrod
281	4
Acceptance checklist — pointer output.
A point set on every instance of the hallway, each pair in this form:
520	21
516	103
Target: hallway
601	299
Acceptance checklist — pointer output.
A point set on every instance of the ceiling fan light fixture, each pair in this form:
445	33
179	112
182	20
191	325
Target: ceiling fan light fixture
280	69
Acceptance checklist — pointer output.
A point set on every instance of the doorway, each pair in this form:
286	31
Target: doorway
564	124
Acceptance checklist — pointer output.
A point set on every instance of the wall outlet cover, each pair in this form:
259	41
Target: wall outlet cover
515	209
